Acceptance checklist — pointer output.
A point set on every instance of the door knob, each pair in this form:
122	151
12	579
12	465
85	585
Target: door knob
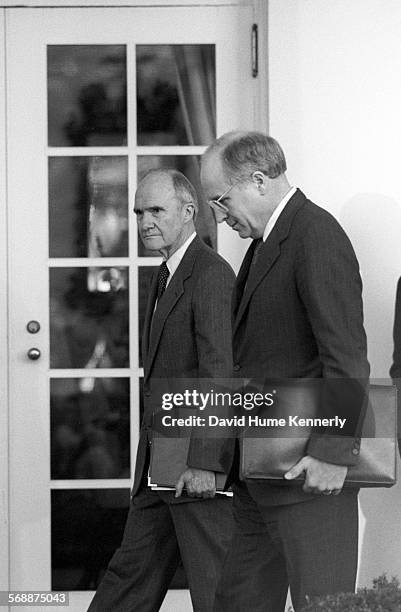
34	354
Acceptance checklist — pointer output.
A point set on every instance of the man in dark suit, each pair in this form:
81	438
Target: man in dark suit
395	370
187	335
297	313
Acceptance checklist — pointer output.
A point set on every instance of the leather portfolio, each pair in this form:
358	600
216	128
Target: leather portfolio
168	461
269	455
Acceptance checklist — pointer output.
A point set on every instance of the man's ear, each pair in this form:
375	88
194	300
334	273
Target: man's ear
189	211
260	180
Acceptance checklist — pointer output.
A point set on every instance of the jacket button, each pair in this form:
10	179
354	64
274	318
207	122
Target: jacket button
355	451
237	367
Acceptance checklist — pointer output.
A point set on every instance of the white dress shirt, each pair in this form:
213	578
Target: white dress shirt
277	212
175	259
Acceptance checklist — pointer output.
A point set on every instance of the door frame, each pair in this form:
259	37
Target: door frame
260	10
4	352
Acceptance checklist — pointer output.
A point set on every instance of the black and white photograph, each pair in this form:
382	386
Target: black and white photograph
200	305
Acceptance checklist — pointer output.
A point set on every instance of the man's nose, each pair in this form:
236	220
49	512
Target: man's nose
146	221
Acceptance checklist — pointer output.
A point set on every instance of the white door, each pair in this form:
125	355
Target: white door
95	97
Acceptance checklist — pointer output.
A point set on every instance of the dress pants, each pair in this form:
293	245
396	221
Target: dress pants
311	547
158	531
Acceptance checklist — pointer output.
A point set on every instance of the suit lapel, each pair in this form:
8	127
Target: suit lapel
268	254
169	299
171	296
148	318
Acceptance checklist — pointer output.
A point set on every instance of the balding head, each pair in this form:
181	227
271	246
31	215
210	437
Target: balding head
183	188
243	153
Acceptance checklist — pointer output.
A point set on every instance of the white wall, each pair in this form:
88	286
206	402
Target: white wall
335	106
4	582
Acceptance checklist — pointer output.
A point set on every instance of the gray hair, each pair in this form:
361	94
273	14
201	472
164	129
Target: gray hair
183	188
242	153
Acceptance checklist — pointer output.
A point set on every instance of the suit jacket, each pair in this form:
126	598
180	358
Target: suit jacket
189	337
395	370
297	312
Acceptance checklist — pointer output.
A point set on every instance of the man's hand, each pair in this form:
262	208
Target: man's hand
320	477
198	483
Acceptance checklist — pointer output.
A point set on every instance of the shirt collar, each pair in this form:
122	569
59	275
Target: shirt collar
277	212
175	259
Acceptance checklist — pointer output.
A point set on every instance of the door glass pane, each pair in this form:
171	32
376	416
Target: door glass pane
190	166
90	425
176	94
86	528
145	274
89	318
87	95
88	206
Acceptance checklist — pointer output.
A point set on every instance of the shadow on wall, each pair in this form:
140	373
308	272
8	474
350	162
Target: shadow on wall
373	223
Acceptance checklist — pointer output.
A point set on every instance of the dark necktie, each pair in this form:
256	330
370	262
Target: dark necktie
162	277
258	246
255	255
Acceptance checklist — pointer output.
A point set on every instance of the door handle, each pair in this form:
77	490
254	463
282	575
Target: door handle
34	354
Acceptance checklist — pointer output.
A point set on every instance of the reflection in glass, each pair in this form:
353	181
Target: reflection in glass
88	206
145	274
176	94
189	165
87	526
90	427
89	318
87	99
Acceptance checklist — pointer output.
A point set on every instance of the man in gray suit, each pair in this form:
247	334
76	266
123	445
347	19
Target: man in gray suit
297	313
187	334
395	370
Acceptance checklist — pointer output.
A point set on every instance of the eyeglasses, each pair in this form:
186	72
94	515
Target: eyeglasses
217	205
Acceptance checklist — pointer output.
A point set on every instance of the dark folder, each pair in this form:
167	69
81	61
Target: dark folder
271	456
168	458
